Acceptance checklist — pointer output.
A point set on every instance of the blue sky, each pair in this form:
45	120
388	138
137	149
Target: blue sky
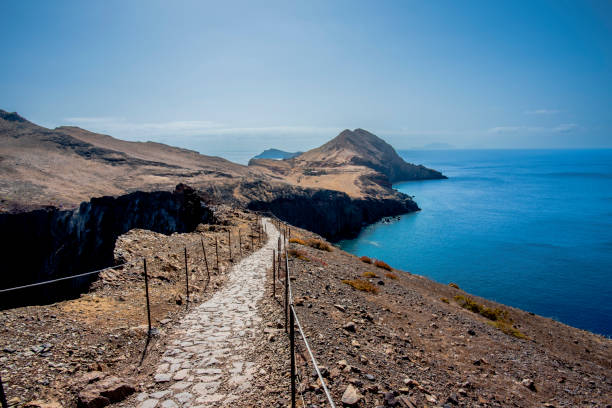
230	77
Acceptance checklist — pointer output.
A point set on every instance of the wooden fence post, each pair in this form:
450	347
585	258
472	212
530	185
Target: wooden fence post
2	395
240	241
273	273
186	279
292	351
146	276
229	238
205	260
217	253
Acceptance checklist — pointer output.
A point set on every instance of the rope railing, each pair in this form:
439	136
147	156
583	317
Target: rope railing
291	315
184	249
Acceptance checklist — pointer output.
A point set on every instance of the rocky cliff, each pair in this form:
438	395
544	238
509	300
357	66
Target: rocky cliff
50	243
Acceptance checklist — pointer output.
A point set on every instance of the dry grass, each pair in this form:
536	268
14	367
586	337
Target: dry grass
369	274
391	275
366	259
296	253
499	318
445	300
510	330
362	285
453	285
382	265
318	244
297	241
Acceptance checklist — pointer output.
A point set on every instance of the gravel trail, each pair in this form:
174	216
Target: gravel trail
206	364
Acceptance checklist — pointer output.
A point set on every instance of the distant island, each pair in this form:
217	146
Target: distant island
276	154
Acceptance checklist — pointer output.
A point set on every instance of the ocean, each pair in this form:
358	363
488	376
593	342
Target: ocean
527	228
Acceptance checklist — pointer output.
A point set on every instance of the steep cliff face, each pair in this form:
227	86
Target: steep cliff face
50	243
330	213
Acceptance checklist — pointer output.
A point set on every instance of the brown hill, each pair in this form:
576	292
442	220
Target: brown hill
356	162
337	188
67	165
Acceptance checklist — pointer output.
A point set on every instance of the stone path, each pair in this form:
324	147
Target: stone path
206	365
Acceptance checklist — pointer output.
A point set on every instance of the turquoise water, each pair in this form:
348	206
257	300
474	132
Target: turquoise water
528	228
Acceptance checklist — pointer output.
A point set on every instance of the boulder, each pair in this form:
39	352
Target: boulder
351	396
104	392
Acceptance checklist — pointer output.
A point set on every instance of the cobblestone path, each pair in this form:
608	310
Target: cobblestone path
206	365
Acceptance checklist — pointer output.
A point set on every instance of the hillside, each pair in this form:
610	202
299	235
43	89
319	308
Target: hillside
405	341
67	165
337	188
356	162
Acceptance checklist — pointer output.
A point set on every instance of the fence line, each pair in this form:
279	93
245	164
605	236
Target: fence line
290	313
169	254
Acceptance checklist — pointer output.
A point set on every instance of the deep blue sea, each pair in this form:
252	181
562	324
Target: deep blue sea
527	228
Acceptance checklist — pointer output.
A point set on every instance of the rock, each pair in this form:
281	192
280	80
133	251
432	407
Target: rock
340	308
529	383
390	400
91	377
43	404
411	383
431	398
163	377
351	396
104	392
452	399
350	326
471	332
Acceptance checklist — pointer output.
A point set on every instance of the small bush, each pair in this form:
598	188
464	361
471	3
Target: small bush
366	259
391	275
499	318
318	244
298	254
509	329
297	241
491	314
453	285
445	300
362	285
369	274
383	265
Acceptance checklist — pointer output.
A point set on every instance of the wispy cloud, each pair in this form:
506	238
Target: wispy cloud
542	112
561	128
119	126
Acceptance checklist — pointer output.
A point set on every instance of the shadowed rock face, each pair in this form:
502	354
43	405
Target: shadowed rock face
50	243
332	214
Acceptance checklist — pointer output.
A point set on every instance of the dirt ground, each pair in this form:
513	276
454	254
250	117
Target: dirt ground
45	349
413	344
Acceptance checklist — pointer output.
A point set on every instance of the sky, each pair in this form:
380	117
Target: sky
233	78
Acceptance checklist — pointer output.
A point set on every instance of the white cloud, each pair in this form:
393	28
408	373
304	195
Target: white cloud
542	112
561	128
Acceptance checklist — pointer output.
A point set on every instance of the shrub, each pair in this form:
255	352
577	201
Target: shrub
369	274
445	300
318	244
391	275
383	265
297	241
298	254
453	285
362	285
366	259
507	328
499	318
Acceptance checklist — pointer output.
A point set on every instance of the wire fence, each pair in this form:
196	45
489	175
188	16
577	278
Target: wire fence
207	255
291	318
199	254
